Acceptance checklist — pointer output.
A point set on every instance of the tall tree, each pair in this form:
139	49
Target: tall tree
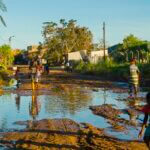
4	9
65	37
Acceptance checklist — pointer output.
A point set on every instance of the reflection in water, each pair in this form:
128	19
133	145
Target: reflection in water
34	106
3	123
105	95
68	100
133	114
17	98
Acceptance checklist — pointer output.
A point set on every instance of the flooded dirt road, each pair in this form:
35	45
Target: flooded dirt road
76	97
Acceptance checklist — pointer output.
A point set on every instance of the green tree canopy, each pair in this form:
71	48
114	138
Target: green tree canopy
65	37
131	45
6	55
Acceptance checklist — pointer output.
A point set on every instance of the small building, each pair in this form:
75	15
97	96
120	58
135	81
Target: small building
32	48
78	55
95	56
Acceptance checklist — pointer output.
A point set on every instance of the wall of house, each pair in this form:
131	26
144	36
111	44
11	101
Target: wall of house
95	56
79	55
82	55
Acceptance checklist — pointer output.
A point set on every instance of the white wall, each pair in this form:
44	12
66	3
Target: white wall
77	55
80	55
99	53
96	55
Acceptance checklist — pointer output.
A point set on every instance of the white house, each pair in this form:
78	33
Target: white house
93	57
78	55
97	55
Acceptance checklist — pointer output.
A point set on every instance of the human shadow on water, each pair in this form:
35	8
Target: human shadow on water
34	106
17	98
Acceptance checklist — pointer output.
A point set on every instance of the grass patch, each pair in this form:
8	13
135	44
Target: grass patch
110	70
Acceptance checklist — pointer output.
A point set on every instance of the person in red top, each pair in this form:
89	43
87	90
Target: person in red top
146	111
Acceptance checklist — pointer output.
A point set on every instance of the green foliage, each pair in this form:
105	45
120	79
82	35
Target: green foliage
131	42
6	56
131	47
65	37
105	69
4	77
111	70
2	8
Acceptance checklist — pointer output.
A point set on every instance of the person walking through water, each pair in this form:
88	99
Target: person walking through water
146	111
46	68
17	77
134	79
38	74
33	73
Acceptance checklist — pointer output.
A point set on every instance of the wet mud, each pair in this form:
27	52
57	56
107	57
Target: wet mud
113	115
65	134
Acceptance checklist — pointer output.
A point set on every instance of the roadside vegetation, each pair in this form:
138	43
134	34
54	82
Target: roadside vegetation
6	55
6	60
111	70
107	69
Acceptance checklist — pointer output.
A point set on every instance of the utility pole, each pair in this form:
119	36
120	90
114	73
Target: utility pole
104	41
10	39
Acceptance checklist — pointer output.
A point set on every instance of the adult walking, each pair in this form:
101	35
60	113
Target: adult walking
134	79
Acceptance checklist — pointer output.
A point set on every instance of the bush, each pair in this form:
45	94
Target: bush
111	70
106	69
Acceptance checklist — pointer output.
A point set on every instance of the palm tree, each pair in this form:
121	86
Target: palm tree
4	9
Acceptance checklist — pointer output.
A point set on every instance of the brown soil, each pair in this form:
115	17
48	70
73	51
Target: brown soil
62	77
106	110
112	115
65	134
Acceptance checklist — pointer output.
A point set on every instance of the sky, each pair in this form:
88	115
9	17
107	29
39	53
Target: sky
24	19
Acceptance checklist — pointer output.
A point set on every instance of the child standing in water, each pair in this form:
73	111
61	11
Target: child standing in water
134	78
146	111
38	74
17	77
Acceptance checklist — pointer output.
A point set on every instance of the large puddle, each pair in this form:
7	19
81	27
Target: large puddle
66	102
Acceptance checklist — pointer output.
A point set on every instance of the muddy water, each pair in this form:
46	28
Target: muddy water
64	102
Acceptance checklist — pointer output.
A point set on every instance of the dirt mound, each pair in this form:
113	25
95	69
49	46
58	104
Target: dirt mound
64	134
118	123
106	110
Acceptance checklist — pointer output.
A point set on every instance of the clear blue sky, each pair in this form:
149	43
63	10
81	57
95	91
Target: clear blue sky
24	18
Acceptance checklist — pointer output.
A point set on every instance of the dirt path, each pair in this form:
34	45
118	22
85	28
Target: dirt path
61	77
